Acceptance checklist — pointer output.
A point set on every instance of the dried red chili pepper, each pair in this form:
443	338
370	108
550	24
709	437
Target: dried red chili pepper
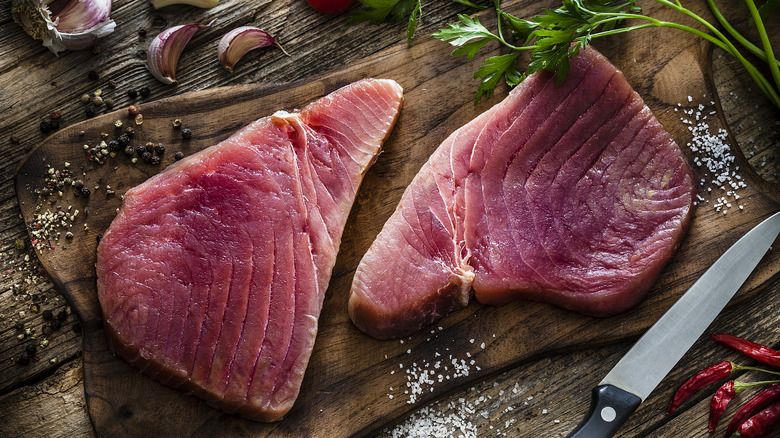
761	423
759	352
719	402
703	378
768	396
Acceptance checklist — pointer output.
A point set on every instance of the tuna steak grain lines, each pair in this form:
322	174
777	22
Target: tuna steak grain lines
571	194
212	276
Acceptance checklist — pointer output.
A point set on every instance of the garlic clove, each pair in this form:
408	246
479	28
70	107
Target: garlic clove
236	43
80	16
199	3
76	25
163	54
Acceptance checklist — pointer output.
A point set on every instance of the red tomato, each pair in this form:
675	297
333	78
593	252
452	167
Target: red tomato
330	6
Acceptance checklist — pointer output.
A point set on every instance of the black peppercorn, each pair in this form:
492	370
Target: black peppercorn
130	131
98	237
30	349
140	149
124	140
147	156
113	145
47	315
93	75
132	93
109	104
129	151
62	315
186	133
55	324
178	155
19	325
145	91
142	33
23	360
159	148
149	146
45	126
85	192
90	113
78	184
46	330
155	159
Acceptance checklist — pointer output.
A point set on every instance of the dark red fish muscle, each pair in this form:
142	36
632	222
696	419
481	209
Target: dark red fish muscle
212	276
571	194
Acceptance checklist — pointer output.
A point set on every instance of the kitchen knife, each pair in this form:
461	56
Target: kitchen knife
644	366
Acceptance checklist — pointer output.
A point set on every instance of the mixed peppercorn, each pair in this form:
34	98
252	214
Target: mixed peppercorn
759	415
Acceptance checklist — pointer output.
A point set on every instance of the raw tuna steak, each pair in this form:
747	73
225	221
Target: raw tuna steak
212	276
570	194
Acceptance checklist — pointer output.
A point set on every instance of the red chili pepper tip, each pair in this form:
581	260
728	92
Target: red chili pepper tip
768	396
719	402
759	352
703	378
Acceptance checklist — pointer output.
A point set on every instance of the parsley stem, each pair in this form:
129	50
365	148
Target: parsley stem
763	83
765	41
737	36
719	40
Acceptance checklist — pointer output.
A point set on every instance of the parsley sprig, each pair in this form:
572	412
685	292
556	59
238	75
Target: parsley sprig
556	35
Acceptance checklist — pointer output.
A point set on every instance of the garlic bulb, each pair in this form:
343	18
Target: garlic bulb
241	40
199	3
76	25
163	54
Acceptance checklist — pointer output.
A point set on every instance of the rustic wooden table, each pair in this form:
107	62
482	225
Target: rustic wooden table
539	398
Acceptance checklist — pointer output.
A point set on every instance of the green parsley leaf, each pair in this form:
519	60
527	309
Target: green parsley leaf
493	69
378	11
413	20
471	4
467	29
521	29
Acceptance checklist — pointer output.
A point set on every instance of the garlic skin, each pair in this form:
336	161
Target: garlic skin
236	43
164	51
78	25
157	4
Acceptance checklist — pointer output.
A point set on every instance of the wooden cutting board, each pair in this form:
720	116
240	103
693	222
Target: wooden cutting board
354	384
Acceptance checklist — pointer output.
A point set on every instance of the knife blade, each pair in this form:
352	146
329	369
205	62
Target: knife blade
648	361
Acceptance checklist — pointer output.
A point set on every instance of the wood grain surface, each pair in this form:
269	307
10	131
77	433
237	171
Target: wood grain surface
351	375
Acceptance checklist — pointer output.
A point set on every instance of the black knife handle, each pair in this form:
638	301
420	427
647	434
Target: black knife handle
610	407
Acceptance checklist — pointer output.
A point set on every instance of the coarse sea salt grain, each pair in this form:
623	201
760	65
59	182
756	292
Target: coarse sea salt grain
713	154
426	423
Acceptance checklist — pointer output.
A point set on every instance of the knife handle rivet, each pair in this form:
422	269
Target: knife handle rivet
608	414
